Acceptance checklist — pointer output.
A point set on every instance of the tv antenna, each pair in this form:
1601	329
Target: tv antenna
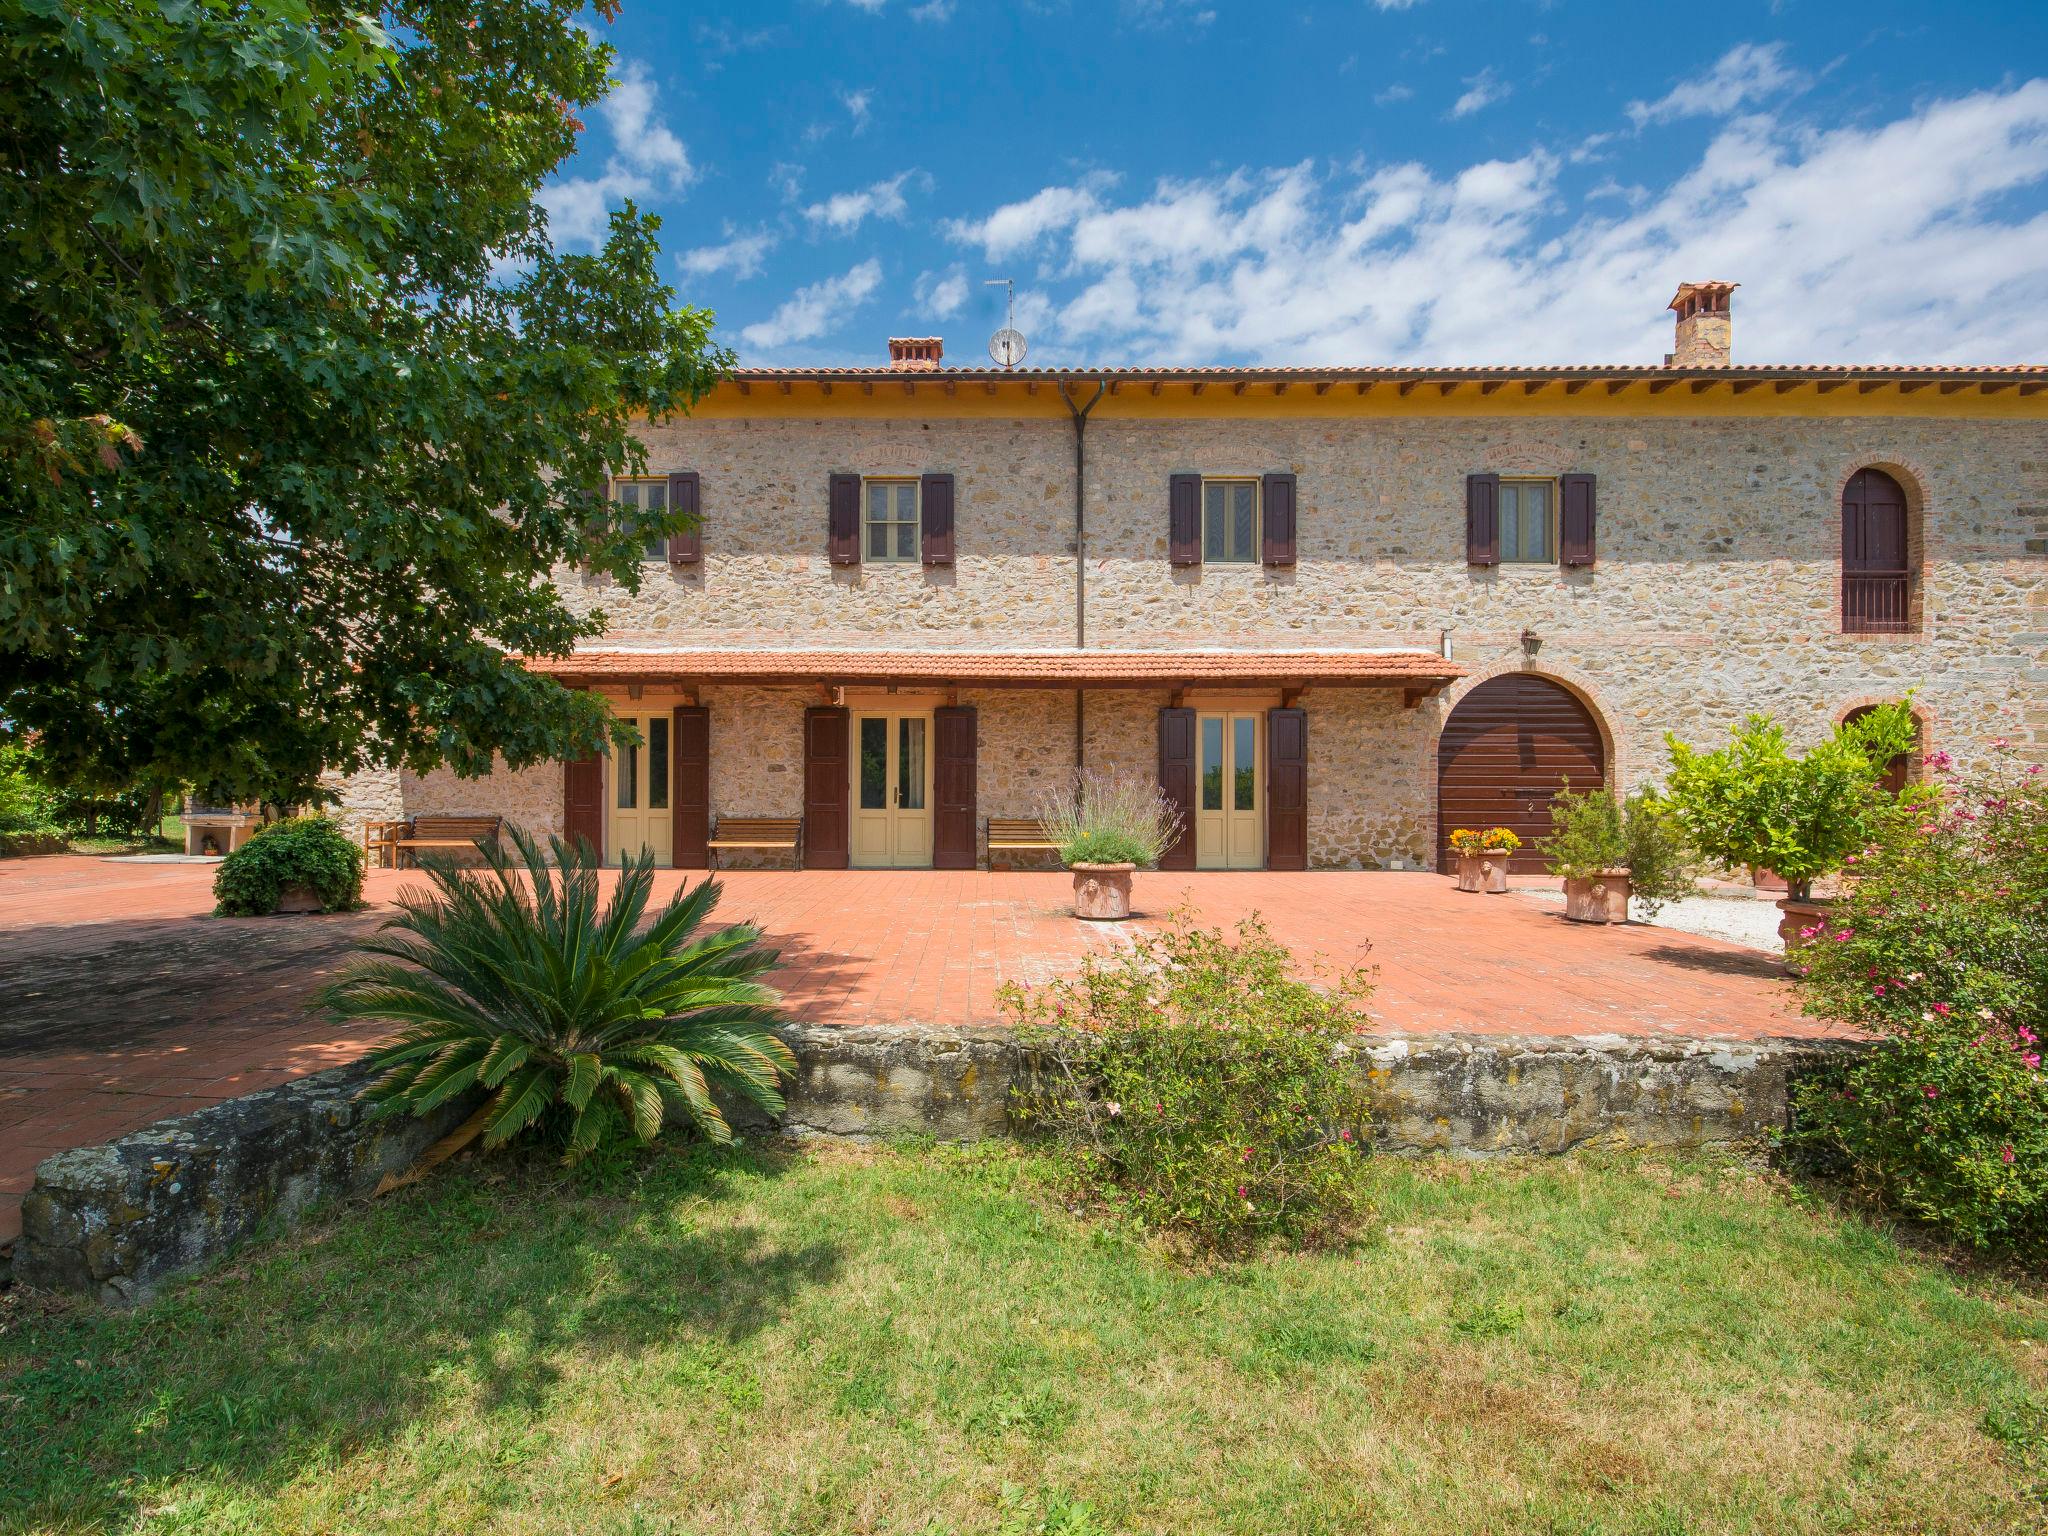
1007	346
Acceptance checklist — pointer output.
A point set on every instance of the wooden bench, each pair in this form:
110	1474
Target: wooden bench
755	832
436	832
1010	834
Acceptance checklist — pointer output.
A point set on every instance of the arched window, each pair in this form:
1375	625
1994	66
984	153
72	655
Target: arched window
1877	583
1905	766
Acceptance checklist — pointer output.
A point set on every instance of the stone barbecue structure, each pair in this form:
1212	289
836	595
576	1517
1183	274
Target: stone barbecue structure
1334	611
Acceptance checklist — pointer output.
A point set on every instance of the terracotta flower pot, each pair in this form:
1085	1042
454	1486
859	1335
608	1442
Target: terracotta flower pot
1799	916
1764	880
1493	868
1598	898
295	899
1471	872
1102	892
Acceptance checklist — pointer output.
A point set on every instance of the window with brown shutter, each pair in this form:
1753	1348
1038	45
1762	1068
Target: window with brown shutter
1482	519
1184	520
843	520
937	513
1277	543
1575	519
686	546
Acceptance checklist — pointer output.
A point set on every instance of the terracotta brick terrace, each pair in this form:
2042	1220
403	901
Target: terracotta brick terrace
123	1001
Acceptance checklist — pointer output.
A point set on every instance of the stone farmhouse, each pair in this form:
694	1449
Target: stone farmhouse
1336	611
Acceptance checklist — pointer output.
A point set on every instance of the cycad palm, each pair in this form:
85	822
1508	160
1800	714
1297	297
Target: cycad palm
576	1019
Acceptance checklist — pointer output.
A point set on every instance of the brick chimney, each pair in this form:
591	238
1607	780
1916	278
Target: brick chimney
916	354
1706	331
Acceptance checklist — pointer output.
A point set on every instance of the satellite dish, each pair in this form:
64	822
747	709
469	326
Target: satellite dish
1007	347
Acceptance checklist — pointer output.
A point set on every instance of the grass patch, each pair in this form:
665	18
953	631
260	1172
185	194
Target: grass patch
915	1341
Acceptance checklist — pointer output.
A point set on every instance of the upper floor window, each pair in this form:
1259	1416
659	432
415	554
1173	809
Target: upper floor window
1877	583
891	519
1528	517
648	494
1230	522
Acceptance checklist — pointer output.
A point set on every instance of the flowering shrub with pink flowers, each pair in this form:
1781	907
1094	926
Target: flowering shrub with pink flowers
1196	1087
1940	949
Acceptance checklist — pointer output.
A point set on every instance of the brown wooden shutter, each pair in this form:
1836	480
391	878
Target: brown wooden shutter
843	522
825	780
685	495
955	767
1482	519
1575	519
1177	782
936	498
583	804
1286	789
690	786
1276	545
1184	520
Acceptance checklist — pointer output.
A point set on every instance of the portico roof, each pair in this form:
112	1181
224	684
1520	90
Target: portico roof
1420	671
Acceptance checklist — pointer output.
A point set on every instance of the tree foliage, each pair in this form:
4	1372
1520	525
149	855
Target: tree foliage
298	405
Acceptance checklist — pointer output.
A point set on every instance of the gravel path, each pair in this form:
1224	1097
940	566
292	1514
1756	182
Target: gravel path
1748	920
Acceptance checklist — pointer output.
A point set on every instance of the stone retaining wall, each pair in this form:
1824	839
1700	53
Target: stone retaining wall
118	1220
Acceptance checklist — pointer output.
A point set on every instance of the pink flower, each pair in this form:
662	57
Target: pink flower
2032	1060
1942	1009
1240	1191
1878	989
2005	1153
1931	1091
1343	1135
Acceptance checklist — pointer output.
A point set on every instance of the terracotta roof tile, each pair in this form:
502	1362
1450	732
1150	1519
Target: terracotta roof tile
1050	668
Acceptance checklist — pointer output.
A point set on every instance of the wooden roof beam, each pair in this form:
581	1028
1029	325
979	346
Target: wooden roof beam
1658	386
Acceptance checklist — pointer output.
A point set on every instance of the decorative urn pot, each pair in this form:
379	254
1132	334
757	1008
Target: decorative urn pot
1472	871
1800	915
1493	872
1102	892
1601	897
295	899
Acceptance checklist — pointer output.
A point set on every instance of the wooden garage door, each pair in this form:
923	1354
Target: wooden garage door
1506	749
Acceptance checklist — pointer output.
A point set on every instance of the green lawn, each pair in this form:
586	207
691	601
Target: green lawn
915	1341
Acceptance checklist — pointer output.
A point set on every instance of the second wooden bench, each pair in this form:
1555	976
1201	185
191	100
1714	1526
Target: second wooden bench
756	832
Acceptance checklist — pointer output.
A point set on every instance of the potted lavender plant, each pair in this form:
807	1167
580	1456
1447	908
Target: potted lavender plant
1105	826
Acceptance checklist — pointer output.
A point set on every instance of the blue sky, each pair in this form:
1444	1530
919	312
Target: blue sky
1363	181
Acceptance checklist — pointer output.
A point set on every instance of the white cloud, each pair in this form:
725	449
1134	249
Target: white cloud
1393	93
844	212
646	158
1394	5
857	104
1481	91
933	11
1745	73
1888	242
813	311
940	294
741	255
1017	227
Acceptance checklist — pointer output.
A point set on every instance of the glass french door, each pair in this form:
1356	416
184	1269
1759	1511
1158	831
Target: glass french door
1230	792
638	794
892	791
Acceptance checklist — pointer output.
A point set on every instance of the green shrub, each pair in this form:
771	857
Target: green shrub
1941	950
585	1027
1194	1086
1592	831
303	850
1752	804
27	807
1106	818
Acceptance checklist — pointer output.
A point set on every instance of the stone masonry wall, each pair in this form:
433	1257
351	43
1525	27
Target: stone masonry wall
1716	591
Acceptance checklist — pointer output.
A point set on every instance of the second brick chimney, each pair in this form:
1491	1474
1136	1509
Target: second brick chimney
916	354
1706	330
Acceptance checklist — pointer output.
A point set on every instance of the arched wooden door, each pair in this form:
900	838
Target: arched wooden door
1876	582
1507	749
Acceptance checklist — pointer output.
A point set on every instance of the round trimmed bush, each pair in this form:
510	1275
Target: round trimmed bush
304	850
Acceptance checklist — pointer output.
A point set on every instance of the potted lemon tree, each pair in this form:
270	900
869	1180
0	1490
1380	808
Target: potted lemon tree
1105	827
1753	803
